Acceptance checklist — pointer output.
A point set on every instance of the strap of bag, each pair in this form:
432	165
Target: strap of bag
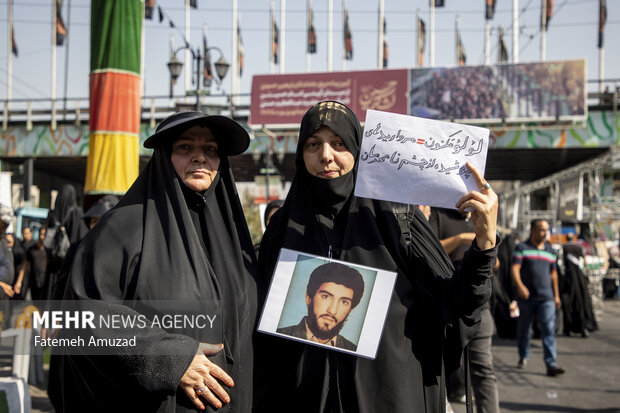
468	389
442	382
404	215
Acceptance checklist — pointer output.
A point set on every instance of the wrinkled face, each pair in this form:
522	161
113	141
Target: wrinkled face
325	154
195	158
27	234
328	309
539	232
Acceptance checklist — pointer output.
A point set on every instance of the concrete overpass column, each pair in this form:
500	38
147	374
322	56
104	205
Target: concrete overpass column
28	174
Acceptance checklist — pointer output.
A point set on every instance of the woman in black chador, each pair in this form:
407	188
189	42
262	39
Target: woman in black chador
321	214
67	214
178	234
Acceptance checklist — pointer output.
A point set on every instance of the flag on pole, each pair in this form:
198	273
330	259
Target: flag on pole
421	41
460	51
13	43
61	30
348	41
240	48
502	54
149	6
548	13
490	9
311	32
207	72
193	4
274	40
385	45
439	3
602	19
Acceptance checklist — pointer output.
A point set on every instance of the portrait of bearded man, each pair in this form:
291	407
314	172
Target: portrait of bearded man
333	290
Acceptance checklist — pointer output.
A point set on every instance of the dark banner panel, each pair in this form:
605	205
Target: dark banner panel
283	99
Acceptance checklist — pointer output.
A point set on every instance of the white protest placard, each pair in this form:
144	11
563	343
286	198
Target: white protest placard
419	161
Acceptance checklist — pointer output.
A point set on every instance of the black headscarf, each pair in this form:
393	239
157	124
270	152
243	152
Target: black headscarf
163	241
405	374
275	204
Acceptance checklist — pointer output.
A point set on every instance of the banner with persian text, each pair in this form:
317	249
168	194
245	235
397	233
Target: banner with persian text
283	99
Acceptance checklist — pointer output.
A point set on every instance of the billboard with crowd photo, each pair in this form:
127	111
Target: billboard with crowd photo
501	93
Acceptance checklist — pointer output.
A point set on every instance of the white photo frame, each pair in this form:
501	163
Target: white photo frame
286	305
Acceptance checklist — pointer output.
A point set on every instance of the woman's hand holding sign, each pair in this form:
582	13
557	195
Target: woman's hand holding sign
483	204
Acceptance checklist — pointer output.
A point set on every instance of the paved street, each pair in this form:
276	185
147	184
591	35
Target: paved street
590	385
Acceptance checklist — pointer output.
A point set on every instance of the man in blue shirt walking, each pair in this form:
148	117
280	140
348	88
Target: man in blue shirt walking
534	274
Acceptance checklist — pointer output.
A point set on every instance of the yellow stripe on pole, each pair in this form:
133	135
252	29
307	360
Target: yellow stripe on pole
114	162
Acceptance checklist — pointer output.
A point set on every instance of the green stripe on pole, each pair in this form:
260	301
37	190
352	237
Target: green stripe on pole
116	27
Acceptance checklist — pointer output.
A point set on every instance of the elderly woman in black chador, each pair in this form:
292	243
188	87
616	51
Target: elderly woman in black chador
421	336
178	234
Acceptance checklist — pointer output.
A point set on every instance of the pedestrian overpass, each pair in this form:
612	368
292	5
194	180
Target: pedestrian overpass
48	149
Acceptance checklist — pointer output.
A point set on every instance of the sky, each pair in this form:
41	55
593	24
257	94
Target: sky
572	34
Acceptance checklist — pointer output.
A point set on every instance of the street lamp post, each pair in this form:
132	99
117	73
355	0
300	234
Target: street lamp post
269	169
176	66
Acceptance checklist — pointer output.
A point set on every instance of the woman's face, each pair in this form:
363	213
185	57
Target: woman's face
195	158
325	154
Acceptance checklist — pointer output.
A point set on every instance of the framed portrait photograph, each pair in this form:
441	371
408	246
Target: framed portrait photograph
328	303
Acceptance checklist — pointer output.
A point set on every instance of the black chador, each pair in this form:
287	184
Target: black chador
320	215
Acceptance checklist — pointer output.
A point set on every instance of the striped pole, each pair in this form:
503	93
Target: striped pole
113	157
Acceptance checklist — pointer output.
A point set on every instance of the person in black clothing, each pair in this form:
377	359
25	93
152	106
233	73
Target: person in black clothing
177	236
67	214
456	232
27	240
322	216
34	269
578	316
90	218
271	209
22	283
7	267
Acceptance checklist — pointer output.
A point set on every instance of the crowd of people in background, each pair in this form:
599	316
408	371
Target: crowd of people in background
466	93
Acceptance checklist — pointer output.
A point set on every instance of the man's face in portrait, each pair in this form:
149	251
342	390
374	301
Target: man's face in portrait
328	309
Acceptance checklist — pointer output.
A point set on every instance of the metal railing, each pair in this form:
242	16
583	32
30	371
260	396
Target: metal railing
153	108
76	109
